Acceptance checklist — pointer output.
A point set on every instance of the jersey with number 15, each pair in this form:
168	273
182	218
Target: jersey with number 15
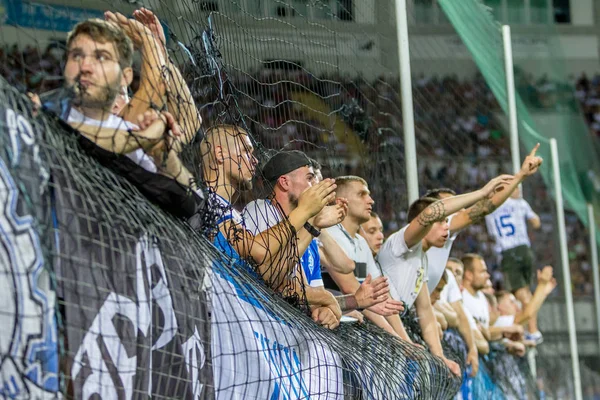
508	224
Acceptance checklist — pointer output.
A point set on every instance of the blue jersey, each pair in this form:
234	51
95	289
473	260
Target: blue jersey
223	212
311	263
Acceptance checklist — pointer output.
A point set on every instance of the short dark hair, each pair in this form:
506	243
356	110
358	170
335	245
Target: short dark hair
418	206
103	31
374	215
469	259
435	193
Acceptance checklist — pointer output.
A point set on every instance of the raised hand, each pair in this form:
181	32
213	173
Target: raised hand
496	185
545	275
388	307
137	32
150	117
372	292
532	162
550	286
313	199
151	21
331	215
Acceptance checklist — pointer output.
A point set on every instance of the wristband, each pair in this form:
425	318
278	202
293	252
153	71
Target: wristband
312	230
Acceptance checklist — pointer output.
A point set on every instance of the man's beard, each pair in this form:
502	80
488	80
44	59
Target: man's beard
103	100
293	199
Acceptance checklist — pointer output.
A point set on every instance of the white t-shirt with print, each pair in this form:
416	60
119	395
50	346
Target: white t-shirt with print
508	224
405	267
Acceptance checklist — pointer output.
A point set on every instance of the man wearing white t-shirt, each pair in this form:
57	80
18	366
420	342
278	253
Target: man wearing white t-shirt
452	294
403	256
356	191
290	173
437	257
97	69
474	279
508	226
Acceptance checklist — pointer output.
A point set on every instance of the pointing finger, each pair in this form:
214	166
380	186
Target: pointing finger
537	146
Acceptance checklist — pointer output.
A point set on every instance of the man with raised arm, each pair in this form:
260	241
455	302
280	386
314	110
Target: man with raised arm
356	191
331	255
438	257
509	306
290	173
156	62
508	226
403	256
228	166
98	66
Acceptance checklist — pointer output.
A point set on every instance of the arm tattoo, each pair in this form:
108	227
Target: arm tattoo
348	302
482	208
433	213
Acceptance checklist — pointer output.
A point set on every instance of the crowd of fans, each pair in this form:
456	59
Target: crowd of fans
312	237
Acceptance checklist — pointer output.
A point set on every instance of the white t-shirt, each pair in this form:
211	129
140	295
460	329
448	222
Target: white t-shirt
508	224
260	215
478	306
470	318
405	267
437	257
138	156
357	249
451	292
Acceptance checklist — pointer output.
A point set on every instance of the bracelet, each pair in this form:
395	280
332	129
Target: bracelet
312	230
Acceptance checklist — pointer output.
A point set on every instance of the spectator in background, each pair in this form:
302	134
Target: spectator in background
372	231
508	225
474	279
452	293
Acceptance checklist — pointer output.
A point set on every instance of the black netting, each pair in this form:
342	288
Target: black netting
128	269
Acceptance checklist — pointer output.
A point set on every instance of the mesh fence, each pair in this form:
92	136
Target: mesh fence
139	278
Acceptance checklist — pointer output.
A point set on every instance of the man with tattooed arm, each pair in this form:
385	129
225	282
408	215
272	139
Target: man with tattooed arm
403	256
437	257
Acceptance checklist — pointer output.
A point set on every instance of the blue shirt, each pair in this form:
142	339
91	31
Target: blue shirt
223	211
311	263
